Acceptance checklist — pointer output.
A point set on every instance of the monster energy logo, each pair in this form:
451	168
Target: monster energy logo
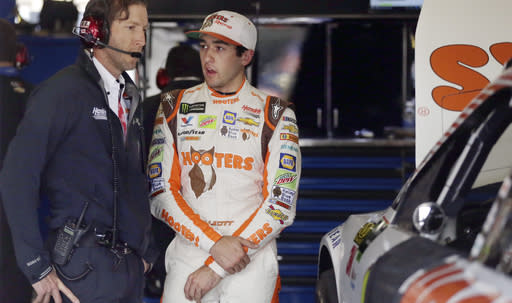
187	108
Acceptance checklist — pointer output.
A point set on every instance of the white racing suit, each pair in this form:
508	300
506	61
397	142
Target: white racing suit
224	165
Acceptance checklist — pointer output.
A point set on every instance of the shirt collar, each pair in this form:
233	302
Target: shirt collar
109	81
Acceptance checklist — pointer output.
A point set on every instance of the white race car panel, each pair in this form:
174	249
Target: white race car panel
349	272
458	51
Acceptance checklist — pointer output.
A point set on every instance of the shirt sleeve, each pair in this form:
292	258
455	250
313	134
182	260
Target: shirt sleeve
45	123
281	184
166	201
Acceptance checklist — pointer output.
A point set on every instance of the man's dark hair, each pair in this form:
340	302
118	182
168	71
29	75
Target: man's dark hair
110	10
8	41
240	50
183	61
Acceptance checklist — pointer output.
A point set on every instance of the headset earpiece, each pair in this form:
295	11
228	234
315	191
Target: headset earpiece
22	56
92	30
162	78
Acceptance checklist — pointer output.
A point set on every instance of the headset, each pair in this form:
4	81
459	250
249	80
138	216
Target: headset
22	56
94	31
162	78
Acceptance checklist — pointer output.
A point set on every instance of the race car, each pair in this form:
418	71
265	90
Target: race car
419	270
439	203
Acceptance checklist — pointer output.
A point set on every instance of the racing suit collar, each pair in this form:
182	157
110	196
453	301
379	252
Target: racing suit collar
224	95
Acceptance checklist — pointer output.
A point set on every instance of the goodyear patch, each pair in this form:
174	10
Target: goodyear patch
229	117
207	121
287	161
156	154
155	170
289	137
187	108
276	214
158	141
286	179
283	194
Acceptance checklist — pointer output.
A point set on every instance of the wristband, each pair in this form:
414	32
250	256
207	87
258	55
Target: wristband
217	269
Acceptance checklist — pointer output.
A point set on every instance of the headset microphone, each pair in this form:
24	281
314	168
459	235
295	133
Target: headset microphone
87	37
133	54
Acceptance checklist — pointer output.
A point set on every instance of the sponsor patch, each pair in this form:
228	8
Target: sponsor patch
257	96
168	97
226	101
362	236
247	133
286	179
191	132
334	237
230	132
279	203
248	121
229	117
99	113
155	170
276	214
187	108
186	121
157	131
207	121
159	120
283	194
291	128
287	161
189	138
255	112
158	141
157	186
289	137
276	108
288	119
156	154
289	147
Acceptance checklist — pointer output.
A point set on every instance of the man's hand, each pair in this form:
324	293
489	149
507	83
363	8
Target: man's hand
147	266
51	287
200	282
230	253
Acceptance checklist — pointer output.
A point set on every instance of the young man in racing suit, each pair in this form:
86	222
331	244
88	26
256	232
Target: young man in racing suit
224	167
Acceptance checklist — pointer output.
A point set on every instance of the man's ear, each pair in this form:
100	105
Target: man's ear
247	57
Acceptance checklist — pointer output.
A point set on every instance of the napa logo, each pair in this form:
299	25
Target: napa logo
287	161
229	117
155	170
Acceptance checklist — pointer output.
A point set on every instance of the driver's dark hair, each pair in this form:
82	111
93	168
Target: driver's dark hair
240	50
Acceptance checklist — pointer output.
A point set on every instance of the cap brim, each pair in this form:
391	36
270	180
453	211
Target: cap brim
197	34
